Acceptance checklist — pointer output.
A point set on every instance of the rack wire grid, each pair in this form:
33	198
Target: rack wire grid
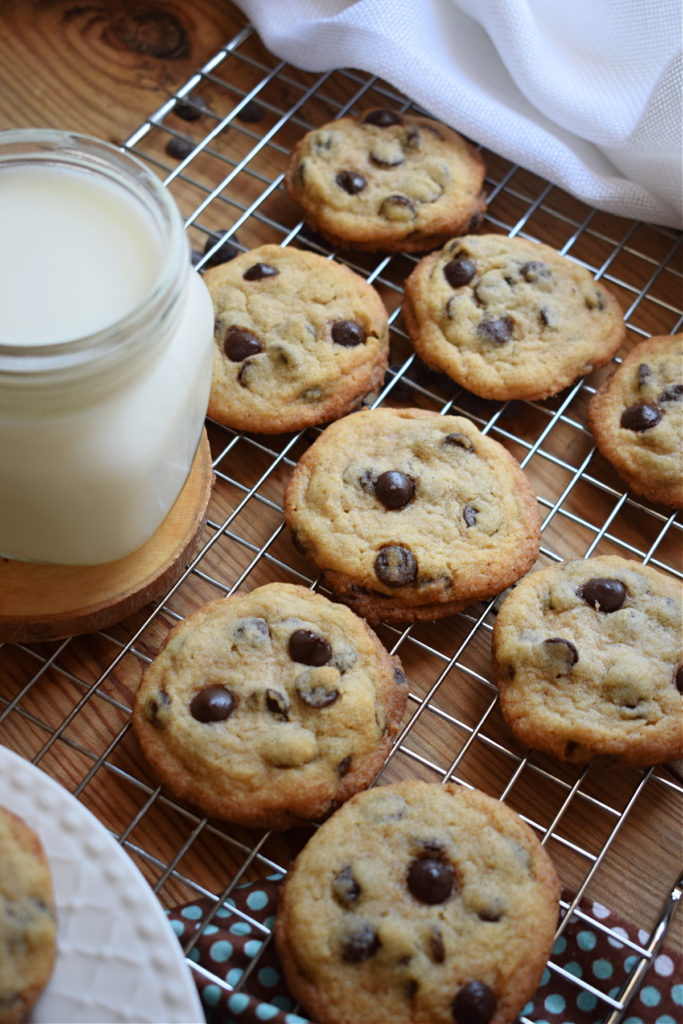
614	834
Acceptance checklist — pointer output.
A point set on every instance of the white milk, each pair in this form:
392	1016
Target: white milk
105	352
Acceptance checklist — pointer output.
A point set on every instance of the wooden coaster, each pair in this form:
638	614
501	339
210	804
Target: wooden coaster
48	602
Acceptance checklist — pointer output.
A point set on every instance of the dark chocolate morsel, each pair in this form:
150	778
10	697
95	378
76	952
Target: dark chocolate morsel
162	700
179	147
543	316
535	270
277	705
469	514
430	880
351	181
344	766
436	946
239	343
562	650
212	704
640	417
360	943
396	204
225	252
678	679
382	118
315	695
190	109
603	593
395	566
459	441
345	888
459	271
395	489
475	1003
498	330
348	333
643	374
672	394
258	271
309	648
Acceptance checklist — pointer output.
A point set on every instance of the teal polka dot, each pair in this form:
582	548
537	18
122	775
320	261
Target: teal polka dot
240	928
666	1019
178	927
277	876
586	1001
572	967
560	946
192	913
545	977
270	922
257	899
264	1011
527	1009
223	912
211	994
282	1002
677	994
634	1020
253	947
555	1003
294	1018
268	977
649	996
238	1002
586	940
194	955
234	976
630	962
602	969
210	929
221	951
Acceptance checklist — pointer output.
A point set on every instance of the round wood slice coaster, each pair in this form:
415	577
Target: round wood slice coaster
48	602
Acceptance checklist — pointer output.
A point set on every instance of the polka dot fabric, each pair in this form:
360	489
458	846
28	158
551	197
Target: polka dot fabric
234	946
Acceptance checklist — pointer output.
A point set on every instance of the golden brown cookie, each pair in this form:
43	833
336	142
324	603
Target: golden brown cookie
412	515
637	419
588	657
298	340
269	708
509	318
384	181
418	902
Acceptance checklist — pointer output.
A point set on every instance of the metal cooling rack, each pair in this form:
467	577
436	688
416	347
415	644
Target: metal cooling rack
614	834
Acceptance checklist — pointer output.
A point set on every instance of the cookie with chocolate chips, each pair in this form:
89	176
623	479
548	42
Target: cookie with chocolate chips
384	181
298	340
28	926
418	902
270	708
588	657
509	318
637	419
412	515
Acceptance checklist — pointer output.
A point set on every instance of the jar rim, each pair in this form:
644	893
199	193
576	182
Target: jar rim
85	152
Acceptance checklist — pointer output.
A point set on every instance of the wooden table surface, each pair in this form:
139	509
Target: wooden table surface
101	68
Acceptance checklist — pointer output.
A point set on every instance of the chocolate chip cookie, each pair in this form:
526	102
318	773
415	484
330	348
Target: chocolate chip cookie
588	657
27	918
412	515
299	340
509	318
269	708
637	419
384	181
418	902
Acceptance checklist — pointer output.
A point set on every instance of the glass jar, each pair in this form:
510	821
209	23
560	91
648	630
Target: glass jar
105	350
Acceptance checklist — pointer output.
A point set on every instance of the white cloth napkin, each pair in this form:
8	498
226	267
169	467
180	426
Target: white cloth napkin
585	93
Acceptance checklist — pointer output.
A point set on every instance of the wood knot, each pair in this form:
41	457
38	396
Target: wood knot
151	31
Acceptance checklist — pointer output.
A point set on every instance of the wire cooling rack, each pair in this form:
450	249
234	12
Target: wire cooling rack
614	834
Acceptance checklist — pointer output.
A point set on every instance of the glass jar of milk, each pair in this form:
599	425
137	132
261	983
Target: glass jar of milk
105	350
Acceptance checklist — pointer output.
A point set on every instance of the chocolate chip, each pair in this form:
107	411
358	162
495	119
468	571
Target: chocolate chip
672	394
277	705
240	343
395	489
309	648
607	595
395	566
260	270
251	631
382	118
212	704
251	112
245	373
360	943
387	155
459	441
348	333
351	182
535	270
498	330
190	109
315	695
595	301
179	147
475	1003
344	766
436	946
640	417
345	888
562	651
430	880
469	514
155	705
544	317
678	679
491	913
397	207
643	374
225	252
459	271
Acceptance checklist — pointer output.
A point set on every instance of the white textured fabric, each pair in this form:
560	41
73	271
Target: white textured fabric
586	93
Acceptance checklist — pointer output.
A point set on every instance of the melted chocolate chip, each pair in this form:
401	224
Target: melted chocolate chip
643	374
395	489
469	514
475	1003
607	595
672	394
562	650
430	880
345	888
436	946
535	270
459	271
351	182
678	679
154	706
260	270
382	118
212	704
492	913
459	441
239	343
395	566
277	705
309	648
348	333
397	207
360	943
225	252
544	317
344	766
640	417
498	330
190	109
315	695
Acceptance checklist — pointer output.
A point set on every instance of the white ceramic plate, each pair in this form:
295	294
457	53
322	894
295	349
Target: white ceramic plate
117	957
